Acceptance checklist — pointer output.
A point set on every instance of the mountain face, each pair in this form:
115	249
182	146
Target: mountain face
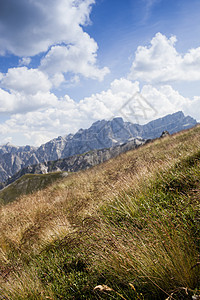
102	134
13	158
77	162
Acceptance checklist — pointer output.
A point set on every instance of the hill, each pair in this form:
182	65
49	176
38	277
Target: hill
28	184
102	134
125	229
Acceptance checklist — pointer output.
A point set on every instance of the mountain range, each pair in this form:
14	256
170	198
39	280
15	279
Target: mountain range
101	135
77	162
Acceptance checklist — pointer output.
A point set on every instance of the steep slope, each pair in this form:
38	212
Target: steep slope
125	229
102	134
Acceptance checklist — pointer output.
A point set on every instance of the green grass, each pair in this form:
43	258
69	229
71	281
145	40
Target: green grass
157	230
27	184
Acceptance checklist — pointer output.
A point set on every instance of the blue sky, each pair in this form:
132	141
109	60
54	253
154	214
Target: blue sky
66	63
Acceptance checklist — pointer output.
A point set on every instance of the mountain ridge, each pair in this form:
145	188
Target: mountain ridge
101	134
76	162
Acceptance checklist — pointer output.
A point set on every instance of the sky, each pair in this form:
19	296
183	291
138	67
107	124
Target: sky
65	64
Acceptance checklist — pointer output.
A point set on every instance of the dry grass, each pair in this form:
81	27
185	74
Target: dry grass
33	222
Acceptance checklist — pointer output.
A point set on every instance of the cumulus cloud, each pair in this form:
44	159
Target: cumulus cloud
165	99
30	27
16	102
160	62
78	59
64	115
29	81
7	102
24	90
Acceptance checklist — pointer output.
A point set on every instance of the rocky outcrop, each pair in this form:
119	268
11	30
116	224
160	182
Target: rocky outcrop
102	134
13	158
164	134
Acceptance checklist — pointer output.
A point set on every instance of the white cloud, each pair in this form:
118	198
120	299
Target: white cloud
30	27
165	99
7	102
63	116
28	81
160	62
23	90
16	102
27	90
24	61
57	79
79	58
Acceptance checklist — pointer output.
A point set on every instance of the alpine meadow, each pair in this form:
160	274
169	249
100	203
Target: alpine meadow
125	229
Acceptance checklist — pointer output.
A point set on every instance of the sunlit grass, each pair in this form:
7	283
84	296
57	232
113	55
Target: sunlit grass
131	224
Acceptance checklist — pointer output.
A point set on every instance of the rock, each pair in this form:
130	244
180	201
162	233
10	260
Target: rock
164	134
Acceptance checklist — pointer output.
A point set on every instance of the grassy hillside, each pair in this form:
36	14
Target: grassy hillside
126	229
27	184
